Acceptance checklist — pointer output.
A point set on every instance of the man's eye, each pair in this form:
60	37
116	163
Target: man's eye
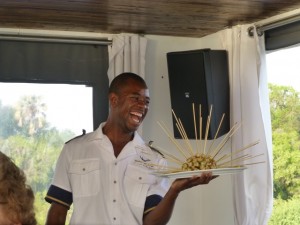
135	98
140	99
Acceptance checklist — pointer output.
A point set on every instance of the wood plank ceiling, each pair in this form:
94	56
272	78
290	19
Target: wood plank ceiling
187	18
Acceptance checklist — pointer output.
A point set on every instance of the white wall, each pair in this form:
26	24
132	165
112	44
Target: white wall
210	204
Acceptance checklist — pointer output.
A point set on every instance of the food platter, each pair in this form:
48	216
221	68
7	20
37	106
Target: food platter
186	174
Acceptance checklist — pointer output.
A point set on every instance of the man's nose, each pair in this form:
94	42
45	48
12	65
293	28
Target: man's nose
143	103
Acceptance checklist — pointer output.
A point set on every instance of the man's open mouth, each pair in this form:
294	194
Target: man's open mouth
136	116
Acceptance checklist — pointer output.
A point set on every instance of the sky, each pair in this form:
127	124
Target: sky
283	67
68	106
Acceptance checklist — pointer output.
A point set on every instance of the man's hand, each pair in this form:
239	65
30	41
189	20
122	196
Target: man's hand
163	211
186	183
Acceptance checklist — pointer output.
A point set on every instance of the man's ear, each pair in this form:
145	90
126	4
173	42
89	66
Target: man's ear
113	99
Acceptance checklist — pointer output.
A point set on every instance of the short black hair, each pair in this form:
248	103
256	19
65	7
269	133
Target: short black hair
122	80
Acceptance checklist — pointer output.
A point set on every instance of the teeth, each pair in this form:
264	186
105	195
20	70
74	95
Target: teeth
137	114
136	120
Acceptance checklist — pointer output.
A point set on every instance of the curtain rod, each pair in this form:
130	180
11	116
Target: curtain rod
262	27
279	23
91	41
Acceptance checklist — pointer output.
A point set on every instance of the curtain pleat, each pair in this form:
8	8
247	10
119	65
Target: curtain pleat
127	54
252	189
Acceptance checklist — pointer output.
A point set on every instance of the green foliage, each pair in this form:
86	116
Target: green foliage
35	151
41	208
8	124
285	113
30	113
285	108
286	212
286	161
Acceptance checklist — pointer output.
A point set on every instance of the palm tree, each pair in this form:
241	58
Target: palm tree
30	114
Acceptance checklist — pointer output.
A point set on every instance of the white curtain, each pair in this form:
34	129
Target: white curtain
127	54
252	189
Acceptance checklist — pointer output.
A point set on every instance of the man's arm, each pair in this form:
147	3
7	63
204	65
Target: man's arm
163	211
57	214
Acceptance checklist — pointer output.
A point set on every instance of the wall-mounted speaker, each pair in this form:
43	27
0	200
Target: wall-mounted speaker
199	77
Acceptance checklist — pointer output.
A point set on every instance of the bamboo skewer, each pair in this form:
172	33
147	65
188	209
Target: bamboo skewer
224	141
173	140
244	158
184	136
159	167
201	158
207	128
238	151
186	139
164	152
248	164
220	124
200	127
195	127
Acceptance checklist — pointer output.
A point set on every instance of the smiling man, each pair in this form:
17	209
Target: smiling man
101	175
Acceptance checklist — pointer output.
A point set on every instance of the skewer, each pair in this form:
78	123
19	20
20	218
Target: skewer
216	134
186	139
248	164
244	158
225	139
184	136
210	158
164	152
195	127
207	128
200	127
156	165
173	140
238	151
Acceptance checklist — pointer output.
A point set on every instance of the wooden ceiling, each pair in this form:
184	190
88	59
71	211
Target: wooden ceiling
189	18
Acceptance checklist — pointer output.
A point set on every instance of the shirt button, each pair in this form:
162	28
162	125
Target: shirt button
115	181
115	218
140	178
83	169
116	163
114	200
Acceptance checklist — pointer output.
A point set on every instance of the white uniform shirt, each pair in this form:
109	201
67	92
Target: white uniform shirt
105	189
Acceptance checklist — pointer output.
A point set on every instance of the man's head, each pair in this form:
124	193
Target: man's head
129	101
122	80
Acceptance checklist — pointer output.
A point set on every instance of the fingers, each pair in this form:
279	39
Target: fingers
186	183
205	178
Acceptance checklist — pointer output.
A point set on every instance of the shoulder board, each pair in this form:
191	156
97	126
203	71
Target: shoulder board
83	133
155	149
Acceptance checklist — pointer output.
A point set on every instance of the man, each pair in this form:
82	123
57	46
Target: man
105	173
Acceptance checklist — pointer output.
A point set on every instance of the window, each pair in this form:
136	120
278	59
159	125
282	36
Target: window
284	86
36	120
73	86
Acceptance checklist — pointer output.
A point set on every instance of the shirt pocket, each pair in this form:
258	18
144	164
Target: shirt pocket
137	183
85	177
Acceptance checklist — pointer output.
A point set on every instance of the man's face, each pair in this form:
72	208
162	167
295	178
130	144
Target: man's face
132	105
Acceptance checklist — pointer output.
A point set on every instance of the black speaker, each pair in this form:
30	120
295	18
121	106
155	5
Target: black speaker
199	77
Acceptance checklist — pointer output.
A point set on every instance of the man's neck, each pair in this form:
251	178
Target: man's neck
118	138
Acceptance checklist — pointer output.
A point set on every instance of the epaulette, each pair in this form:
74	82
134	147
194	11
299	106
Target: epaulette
83	133
154	148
